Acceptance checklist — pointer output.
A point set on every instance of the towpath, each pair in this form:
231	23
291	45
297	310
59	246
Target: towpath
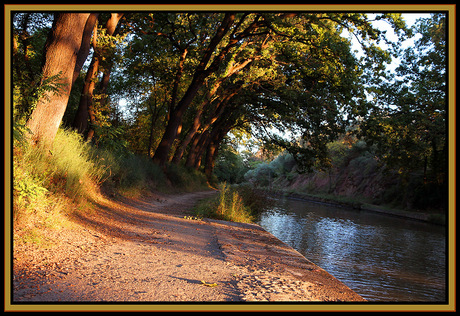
144	250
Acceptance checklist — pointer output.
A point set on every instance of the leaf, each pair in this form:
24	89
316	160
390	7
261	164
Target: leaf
209	284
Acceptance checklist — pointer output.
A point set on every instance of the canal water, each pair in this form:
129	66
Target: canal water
382	258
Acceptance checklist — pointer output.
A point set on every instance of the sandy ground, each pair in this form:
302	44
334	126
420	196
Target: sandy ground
146	251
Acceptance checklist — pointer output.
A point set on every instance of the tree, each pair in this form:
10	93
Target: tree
62	47
281	71
202	71
409	124
86	108
29	36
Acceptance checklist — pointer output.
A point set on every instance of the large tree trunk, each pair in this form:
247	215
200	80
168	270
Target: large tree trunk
61	50
191	133
211	155
194	154
81	117
175	124
201	73
197	121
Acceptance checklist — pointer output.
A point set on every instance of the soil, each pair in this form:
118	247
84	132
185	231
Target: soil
152	250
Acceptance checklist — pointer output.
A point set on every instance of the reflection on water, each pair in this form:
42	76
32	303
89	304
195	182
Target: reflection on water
381	258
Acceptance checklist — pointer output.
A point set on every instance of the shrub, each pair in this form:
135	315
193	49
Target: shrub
72	161
227	206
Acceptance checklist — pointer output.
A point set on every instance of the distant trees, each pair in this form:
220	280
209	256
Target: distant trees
86	112
408	125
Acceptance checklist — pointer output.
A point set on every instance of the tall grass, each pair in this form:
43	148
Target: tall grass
67	167
46	179
50	180
131	175
234	203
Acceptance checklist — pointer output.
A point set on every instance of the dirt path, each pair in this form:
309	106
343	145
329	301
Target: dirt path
145	250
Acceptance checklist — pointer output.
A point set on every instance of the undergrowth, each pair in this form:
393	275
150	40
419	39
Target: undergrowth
50	183
45	179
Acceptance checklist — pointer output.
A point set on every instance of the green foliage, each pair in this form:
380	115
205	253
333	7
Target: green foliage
20	132
29	36
183	178
25	99
290	80
131	175
408	127
42	176
111	138
355	172
230	166
25	187
72	169
65	168
287	64
266	172
227	206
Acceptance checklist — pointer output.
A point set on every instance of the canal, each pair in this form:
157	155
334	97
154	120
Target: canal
382	258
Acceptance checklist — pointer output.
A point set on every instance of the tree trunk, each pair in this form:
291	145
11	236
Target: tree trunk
198	144
197	120
81	117
61	50
85	109
211	155
194	154
85	45
191	133
212	149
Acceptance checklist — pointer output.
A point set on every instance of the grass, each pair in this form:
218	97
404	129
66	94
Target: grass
50	183
234	203
131	175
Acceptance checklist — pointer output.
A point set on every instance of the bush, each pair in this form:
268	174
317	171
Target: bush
229	167
264	174
72	161
136	174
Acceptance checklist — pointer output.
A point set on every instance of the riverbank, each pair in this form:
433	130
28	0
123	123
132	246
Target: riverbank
149	250
438	219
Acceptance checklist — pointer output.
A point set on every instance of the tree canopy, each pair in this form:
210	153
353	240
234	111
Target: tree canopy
188	79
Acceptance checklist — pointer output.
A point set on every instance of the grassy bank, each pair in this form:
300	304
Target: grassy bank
50	184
